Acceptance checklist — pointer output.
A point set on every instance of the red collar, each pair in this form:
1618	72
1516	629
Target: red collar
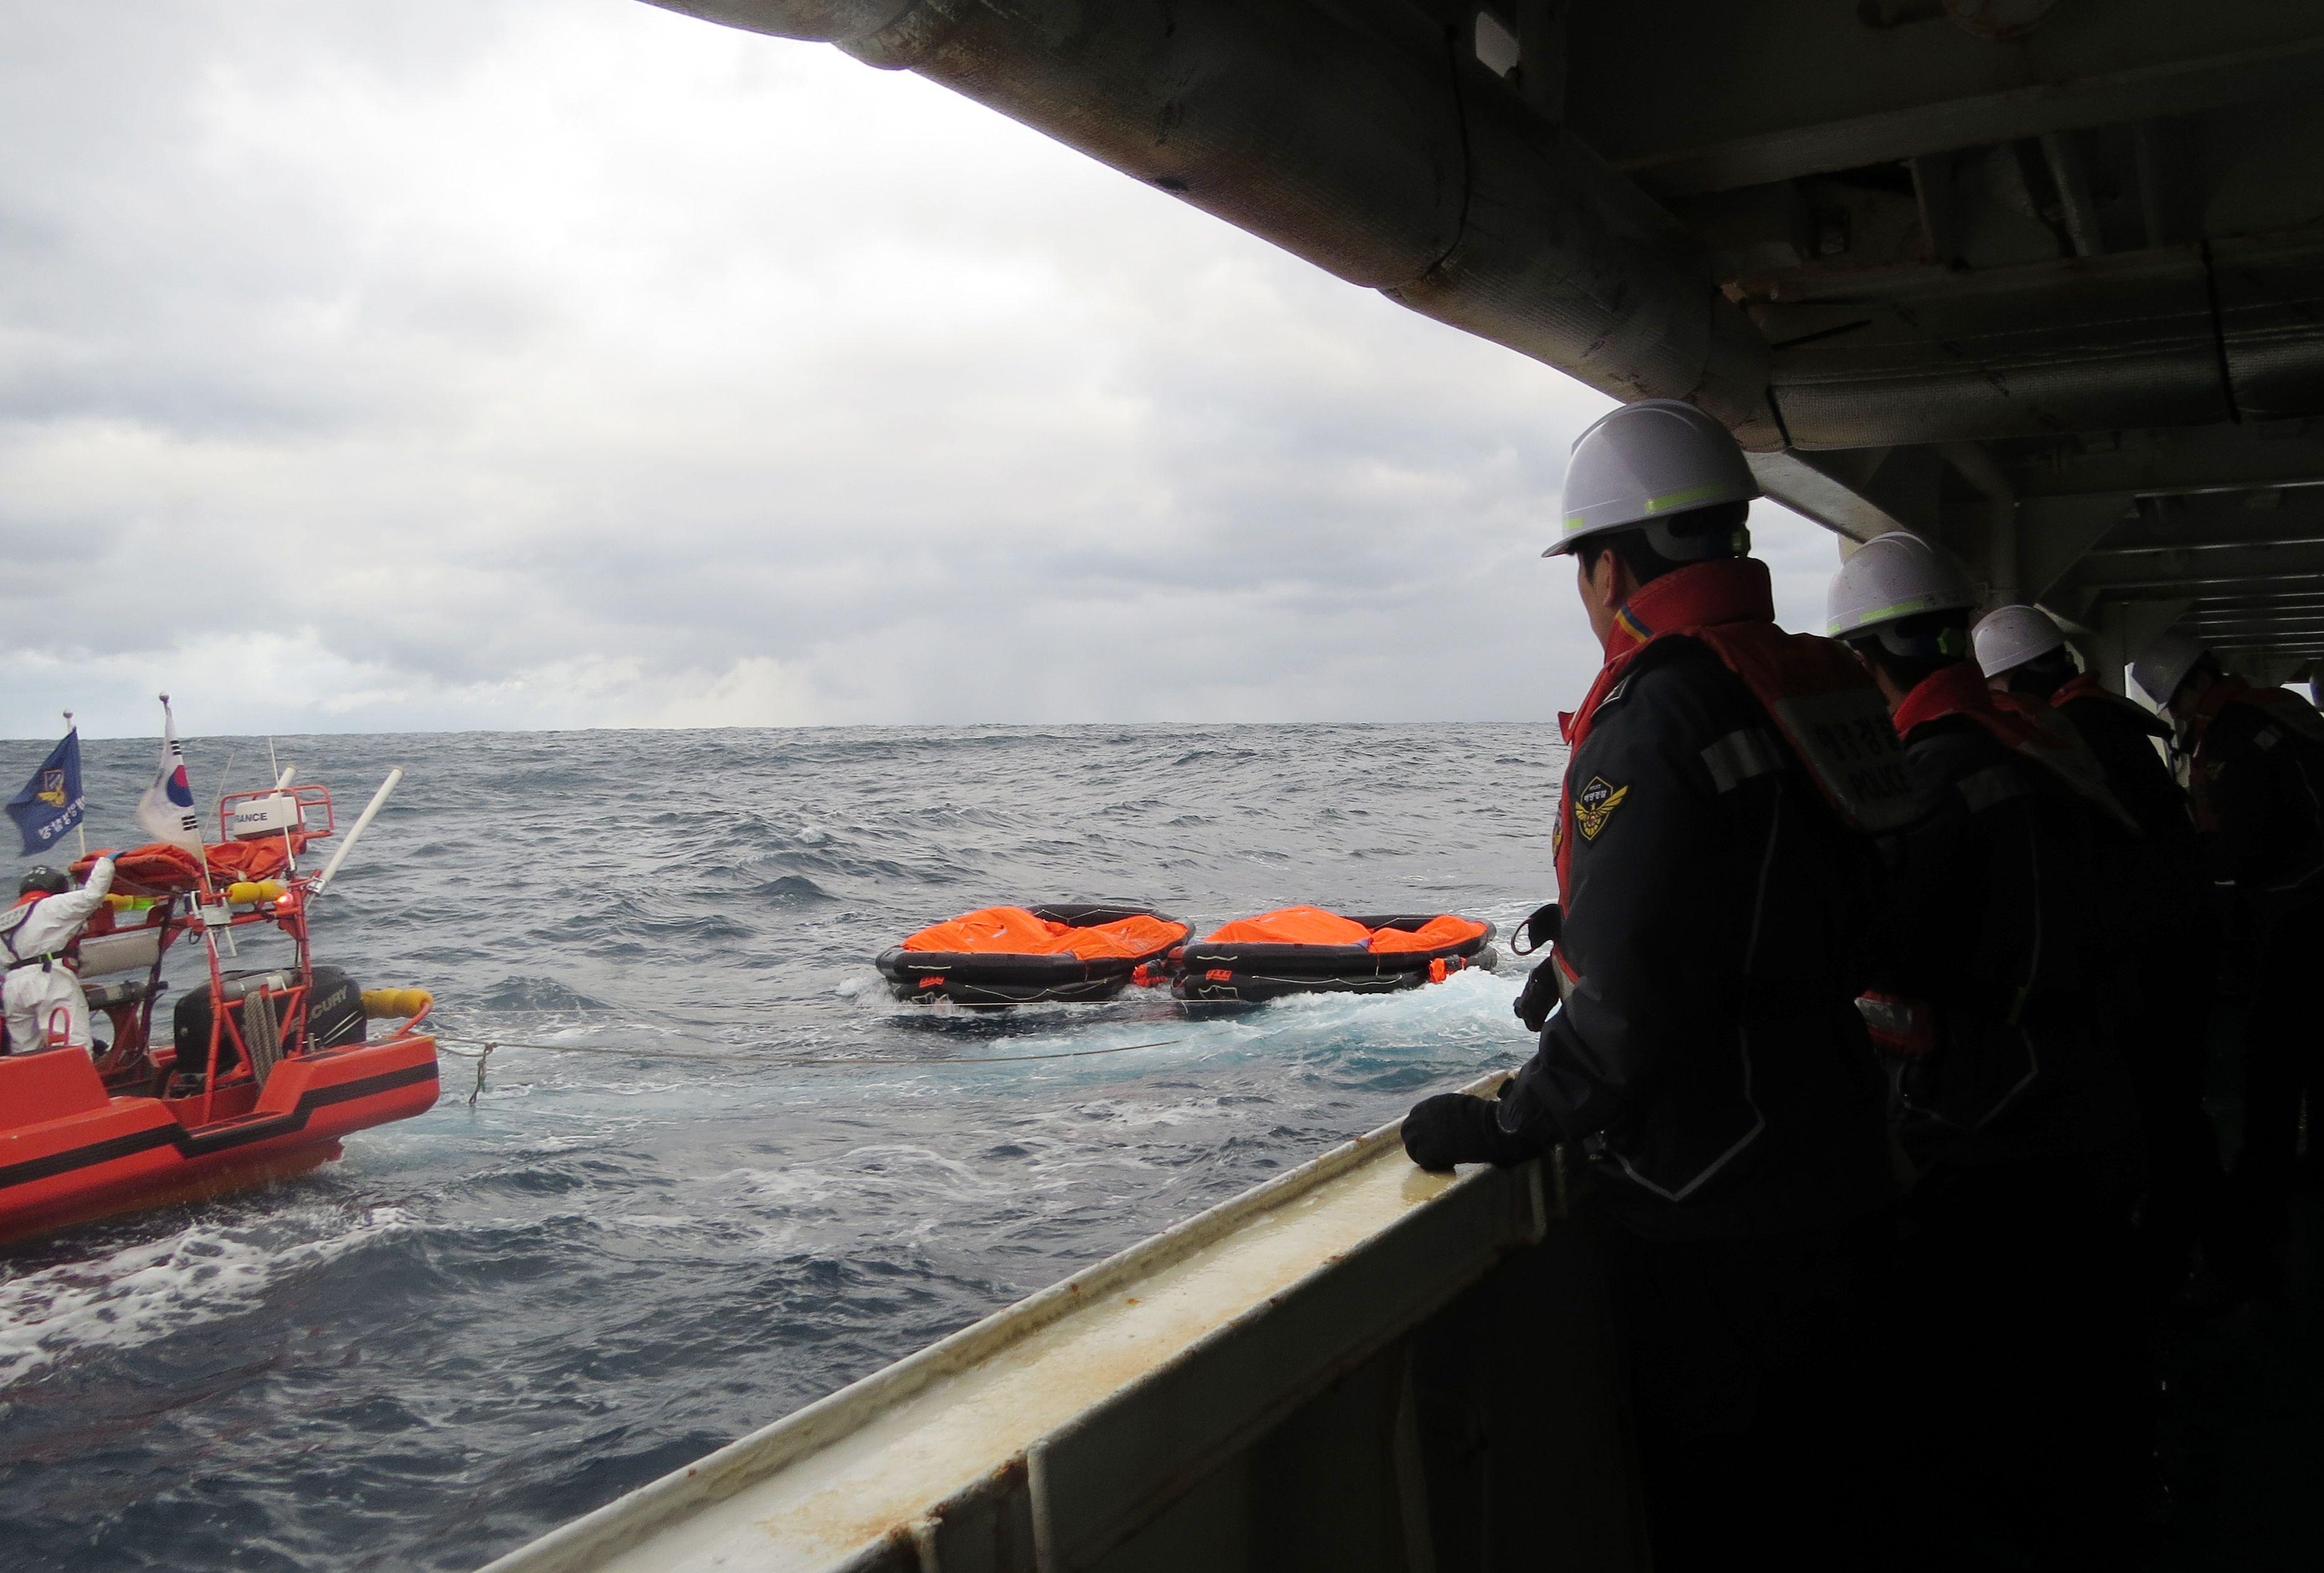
2225	690
1960	689
2076	687
1699	596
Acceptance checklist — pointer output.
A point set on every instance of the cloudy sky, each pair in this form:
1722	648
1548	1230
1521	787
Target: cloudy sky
568	363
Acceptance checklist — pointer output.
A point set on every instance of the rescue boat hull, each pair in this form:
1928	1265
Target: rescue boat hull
77	1155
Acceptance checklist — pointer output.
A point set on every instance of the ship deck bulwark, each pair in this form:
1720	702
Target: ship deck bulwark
1131	1409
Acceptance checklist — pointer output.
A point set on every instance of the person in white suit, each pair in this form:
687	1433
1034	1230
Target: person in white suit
39	942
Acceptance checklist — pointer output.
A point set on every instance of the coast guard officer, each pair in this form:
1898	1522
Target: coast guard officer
2256	763
2166	909
1707	1056
41	999
2022	1365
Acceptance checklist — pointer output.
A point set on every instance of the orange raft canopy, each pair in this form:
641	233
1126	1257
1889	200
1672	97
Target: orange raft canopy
159	869
1305	949
1022	955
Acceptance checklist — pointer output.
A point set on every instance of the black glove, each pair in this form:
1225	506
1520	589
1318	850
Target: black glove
1453	1128
1539	998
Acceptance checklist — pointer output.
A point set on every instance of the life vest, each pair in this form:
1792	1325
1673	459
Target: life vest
2087	687
12	923
2035	732
2295	714
1824	706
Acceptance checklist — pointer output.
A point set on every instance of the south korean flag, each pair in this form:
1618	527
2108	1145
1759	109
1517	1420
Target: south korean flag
166	809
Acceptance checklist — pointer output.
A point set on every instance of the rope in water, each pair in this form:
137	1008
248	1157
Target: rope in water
484	1054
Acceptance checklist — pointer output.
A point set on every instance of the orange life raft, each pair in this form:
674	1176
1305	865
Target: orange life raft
159	869
1305	949
1025	955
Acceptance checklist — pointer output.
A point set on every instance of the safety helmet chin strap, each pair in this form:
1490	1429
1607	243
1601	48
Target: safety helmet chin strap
2062	663
1696	546
1949	643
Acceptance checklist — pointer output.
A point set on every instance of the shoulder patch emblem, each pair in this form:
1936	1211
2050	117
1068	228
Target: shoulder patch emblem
1594	805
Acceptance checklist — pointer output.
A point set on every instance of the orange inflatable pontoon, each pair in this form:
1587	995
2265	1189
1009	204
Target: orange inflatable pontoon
1025	955
1305	949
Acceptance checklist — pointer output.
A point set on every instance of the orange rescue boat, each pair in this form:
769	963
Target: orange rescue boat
266	1070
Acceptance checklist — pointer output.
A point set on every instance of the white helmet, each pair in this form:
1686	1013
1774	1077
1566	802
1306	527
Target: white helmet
2008	639
1645	462
2165	665
1891	577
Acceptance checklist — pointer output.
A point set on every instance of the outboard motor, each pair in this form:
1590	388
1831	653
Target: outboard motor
335	1017
335	1011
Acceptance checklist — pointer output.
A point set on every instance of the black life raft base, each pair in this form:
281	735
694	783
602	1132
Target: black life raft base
998	978
1220	972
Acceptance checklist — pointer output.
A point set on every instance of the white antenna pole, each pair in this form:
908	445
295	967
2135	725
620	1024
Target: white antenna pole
225	779
79	828
348	846
283	784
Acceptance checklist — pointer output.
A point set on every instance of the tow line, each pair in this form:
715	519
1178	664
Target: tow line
483	1053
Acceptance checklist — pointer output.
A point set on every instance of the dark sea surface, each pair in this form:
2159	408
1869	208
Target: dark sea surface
485	1320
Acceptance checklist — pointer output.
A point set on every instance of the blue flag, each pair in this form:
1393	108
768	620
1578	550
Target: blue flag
51	803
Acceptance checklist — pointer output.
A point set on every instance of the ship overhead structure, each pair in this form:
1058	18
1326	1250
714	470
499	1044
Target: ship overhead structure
2044	279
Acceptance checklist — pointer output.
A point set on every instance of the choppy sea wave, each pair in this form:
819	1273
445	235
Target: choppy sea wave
645	1239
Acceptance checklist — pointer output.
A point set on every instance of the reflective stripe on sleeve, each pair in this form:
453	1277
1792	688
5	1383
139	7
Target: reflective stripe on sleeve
1741	755
1994	785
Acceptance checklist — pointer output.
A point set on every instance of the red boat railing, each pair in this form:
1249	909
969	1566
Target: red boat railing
310	795
254	1023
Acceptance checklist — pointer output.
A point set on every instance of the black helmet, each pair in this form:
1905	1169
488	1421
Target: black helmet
45	880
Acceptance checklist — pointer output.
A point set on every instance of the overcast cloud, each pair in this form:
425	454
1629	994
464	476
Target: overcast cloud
569	362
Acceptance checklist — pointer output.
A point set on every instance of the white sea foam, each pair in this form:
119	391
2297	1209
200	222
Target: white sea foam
205	1273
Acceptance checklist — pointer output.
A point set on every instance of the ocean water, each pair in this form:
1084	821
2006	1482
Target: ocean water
642	1239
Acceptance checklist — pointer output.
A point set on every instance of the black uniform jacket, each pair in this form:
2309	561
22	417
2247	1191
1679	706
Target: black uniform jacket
1707	1054
2123	736
2261	764
2160	875
1994	920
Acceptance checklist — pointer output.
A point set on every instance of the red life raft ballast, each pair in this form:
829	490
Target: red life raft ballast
1025	955
1305	949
